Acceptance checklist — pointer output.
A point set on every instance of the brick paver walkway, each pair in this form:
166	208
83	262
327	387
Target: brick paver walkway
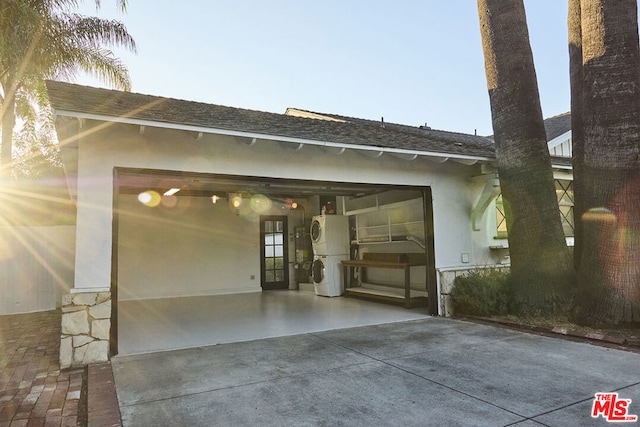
33	389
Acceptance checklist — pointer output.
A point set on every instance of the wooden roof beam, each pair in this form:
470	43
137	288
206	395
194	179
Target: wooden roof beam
404	156
295	146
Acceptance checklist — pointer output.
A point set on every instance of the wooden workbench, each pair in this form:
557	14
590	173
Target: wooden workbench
397	261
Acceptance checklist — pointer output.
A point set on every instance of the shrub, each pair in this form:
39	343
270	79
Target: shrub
481	293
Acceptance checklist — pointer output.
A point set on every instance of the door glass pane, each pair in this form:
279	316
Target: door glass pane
274	261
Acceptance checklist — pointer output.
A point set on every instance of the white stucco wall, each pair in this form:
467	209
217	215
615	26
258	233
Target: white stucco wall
194	248
93	221
124	146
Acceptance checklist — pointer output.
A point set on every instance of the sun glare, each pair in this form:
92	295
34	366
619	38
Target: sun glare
149	198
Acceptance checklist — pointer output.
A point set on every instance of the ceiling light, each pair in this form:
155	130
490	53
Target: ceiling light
235	201
171	192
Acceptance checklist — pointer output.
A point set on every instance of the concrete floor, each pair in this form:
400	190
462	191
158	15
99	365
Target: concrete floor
176	323
432	371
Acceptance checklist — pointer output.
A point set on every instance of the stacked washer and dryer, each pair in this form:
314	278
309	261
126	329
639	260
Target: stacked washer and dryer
331	243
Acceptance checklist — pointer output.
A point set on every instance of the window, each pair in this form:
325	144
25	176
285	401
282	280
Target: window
501	218
564	193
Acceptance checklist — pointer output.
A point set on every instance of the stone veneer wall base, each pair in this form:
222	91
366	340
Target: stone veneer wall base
86	321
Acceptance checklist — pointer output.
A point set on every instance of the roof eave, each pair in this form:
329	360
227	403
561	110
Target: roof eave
439	156
559	139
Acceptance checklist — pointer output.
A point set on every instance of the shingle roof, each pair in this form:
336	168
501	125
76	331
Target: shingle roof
454	137
557	125
71	98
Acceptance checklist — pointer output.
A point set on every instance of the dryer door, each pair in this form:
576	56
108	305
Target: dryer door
315	231
317	271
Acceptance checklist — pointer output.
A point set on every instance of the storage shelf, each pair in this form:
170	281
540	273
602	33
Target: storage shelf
381	228
398	261
389	295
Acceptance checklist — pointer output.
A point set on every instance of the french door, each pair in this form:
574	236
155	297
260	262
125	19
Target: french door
274	271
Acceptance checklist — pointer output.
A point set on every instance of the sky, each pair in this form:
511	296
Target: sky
413	62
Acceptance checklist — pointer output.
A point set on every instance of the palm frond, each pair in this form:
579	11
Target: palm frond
40	39
97	32
101	64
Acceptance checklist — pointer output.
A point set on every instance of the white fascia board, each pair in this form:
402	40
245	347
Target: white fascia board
559	140
562	167
267	137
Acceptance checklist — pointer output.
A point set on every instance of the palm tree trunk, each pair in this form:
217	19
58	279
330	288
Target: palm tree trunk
577	137
540	261
609	271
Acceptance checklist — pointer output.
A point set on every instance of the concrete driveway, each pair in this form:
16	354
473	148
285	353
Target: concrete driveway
433	371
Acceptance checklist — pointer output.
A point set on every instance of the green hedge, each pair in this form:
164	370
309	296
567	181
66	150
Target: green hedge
481	293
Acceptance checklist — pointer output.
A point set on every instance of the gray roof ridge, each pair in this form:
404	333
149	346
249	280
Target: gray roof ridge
382	121
559	115
457	138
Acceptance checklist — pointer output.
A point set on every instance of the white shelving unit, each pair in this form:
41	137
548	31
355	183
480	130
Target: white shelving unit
385	221
390	223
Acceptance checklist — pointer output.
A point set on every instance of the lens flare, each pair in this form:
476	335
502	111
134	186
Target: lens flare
260	203
600	215
149	198
169	201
